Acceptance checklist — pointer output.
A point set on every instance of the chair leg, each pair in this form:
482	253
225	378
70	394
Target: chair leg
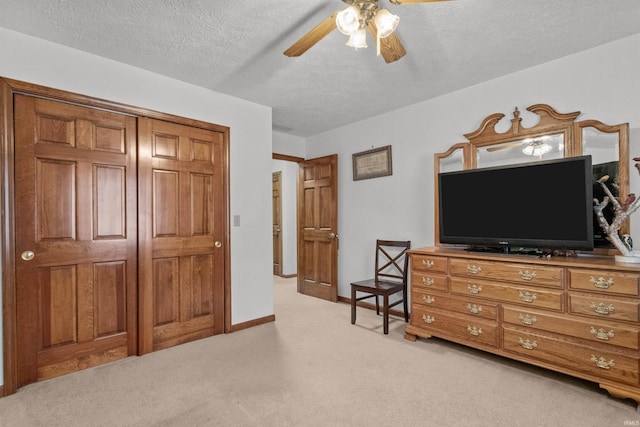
377	306
406	308
385	308
353	305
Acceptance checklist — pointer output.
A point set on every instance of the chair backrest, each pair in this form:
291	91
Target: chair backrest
392	262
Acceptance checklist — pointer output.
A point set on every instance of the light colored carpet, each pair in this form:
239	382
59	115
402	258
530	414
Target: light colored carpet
311	367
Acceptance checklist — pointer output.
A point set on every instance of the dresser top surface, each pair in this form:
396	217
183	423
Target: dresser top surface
581	260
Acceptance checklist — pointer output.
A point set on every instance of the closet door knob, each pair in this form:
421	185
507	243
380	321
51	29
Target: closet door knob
27	255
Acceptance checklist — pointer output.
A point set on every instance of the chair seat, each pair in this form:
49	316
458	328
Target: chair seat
379	285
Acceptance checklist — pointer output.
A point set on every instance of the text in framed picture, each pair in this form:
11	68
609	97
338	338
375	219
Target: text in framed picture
372	163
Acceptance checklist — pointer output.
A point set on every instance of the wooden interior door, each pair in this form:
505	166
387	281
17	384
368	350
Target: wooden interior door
276	203
181	233
75	204
318	227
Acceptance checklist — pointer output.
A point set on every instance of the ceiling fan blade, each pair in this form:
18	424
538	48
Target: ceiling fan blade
316	34
413	1
504	147
391	47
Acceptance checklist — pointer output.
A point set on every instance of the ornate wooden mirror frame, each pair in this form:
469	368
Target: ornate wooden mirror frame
559	133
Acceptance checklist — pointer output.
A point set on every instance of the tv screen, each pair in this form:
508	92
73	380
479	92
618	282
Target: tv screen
538	206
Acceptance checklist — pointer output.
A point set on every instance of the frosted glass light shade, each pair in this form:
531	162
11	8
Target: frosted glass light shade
386	22
537	148
348	20
358	39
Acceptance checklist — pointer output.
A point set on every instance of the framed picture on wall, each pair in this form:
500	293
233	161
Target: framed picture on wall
372	163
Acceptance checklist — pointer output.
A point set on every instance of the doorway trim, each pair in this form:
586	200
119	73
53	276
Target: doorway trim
276	156
297	160
9	87
276	201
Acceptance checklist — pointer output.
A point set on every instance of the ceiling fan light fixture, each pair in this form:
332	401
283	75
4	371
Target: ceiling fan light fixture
386	22
348	20
537	148
358	39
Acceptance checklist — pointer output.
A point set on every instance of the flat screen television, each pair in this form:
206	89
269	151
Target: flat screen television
538	206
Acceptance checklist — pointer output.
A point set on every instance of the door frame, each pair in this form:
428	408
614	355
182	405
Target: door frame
277	248
9	87
297	160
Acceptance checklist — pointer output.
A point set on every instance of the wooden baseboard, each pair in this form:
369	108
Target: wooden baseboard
287	276
1	390
252	323
370	306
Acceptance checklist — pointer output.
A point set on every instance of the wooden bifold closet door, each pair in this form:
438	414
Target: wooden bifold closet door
75	204
181	233
120	235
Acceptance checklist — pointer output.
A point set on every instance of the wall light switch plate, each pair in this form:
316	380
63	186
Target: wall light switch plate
236	220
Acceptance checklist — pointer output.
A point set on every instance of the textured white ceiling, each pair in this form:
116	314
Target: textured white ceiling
235	47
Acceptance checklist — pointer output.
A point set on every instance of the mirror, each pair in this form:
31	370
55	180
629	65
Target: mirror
544	147
556	135
608	147
451	160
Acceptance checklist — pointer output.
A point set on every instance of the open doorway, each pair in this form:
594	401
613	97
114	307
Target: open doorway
285	239
313	226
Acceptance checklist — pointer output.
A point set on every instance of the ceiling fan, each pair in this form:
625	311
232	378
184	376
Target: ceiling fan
531	146
354	21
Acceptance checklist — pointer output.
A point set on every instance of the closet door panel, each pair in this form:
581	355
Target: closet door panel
75	191
181	233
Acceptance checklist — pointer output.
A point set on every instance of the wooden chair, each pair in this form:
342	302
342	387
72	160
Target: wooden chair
390	278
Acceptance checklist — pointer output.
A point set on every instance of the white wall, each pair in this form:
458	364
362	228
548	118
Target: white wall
40	62
288	144
602	82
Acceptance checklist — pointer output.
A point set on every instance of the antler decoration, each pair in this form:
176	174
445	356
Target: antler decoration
621	213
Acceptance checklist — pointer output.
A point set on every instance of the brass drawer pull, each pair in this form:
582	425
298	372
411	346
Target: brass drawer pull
525	319
428	299
602	308
474	331
474	309
601	282
428	319
527	275
529	345
473	269
427	263
527	297
474	289
602	363
428	281
601	334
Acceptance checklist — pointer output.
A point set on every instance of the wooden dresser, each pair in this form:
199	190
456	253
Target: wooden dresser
575	315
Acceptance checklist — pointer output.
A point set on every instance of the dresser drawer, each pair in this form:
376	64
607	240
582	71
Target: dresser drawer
511	272
469	328
449	303
428	263
594	361
604	307
594	330
429	281
535	297
604	281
